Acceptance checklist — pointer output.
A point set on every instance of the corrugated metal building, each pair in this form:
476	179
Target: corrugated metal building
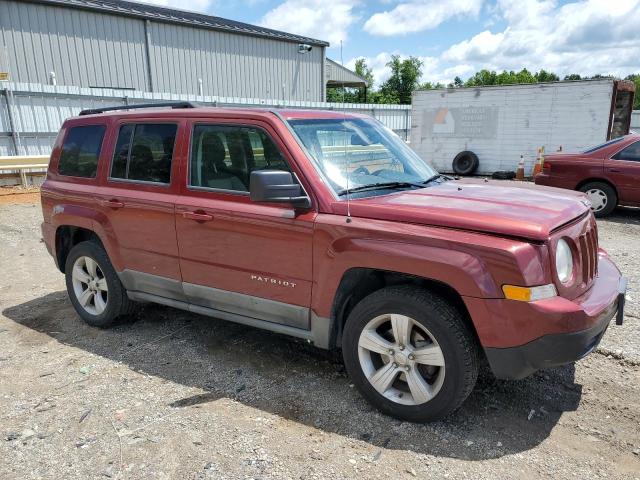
125	45
339	76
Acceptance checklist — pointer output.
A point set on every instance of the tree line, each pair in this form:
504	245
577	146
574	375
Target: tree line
406	73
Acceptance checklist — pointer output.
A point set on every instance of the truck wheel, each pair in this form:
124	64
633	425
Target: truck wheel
409	353
94	287
602	196
465	163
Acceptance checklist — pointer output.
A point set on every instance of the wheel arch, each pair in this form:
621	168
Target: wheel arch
357	283
68	236
596	180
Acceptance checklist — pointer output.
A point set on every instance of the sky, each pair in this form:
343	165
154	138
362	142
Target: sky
455	37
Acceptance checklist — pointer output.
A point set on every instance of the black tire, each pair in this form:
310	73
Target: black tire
465	163
444	322
608	194
117	303
503	175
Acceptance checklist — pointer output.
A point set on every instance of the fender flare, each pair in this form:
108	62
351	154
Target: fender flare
89	219
464	273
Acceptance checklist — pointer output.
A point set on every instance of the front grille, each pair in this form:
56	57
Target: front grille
588	244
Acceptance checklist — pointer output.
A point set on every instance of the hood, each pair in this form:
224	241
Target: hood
506	208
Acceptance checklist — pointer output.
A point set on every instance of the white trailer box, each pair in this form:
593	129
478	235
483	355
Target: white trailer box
500	123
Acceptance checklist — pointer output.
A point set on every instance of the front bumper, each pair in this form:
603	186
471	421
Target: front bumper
520	338
555	349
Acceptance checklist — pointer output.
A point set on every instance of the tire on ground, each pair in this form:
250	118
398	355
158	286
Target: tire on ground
465	163
118	304
608	191
444	322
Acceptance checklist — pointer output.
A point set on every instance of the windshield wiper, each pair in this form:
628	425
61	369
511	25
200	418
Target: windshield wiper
432	178
377	186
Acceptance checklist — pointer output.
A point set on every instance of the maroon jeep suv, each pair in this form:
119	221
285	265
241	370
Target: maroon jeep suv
327	227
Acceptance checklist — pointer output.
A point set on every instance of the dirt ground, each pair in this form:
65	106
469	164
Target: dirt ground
177	395
13	195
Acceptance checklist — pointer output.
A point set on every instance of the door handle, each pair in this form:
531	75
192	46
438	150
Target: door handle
198	217
614	170
112	204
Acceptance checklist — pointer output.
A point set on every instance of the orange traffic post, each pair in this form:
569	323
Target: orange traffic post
520	170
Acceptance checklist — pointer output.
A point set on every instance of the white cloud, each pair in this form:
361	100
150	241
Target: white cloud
201	6
480	47
586	37
321	19
419	15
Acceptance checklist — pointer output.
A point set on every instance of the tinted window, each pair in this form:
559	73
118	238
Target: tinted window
631	153
144	152
223	157
80	151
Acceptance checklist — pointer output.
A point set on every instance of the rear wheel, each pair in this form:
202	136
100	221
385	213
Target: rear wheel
409	353
94	287
602	196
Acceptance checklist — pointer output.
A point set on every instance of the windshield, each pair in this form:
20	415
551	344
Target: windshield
355	152
602	145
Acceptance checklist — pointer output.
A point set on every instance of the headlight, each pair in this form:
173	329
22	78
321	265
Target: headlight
564	261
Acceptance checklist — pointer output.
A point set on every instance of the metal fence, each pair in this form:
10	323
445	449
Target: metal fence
31	114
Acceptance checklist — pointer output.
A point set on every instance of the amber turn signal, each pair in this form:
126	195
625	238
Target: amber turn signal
529	294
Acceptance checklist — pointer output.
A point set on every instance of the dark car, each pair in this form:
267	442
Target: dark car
609	173
327	227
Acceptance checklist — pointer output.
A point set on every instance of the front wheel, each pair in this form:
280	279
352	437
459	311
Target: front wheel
410	354
94	287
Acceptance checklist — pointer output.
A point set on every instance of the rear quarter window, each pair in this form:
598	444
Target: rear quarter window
81	151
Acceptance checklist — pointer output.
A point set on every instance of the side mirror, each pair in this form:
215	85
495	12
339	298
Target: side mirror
277	186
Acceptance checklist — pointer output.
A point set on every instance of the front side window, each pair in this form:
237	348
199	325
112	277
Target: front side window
144	152
357	153
223	157
630	153
81	150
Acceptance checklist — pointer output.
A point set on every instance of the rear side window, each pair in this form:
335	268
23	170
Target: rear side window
80	151
630	154
144	152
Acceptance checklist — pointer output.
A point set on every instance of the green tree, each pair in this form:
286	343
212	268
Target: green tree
506	78
387	96
431	85
573	76
525	76
457	83
635	78
544	76
403	80
343	95
482	78
365	72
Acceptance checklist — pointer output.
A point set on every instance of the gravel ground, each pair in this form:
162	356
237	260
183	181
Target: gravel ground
176	395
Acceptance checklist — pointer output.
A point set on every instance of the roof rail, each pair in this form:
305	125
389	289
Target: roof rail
92	111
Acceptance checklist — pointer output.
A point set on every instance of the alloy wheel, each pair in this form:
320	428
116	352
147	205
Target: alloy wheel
401	359
90	285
